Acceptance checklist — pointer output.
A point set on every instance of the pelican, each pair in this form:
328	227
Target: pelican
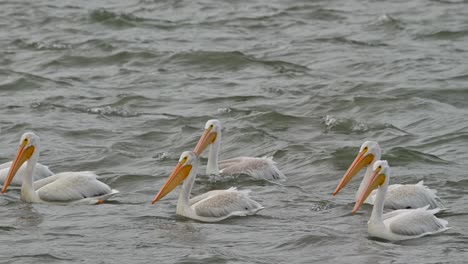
260	168
40	172
212	206
399	196
399	224
66	187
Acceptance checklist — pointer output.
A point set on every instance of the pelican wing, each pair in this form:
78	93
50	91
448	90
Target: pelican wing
416	222
40	172
226	203
71	186
200	197
5	165
411	196
260	168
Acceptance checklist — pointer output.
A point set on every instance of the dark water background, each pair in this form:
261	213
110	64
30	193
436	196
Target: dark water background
123	87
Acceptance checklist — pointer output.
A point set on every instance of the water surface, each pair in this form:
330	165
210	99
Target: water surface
123	87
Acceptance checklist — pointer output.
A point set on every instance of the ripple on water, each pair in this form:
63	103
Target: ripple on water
444	34
348	126
112	111
41	45
13	80
120	57
232	61
119	20
401	156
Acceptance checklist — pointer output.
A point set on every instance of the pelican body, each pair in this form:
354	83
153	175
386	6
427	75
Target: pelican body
399	196
399	224
40	172
259	168
65	187
212	206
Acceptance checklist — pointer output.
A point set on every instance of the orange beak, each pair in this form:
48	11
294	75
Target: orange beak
376	180
22	156
358	164
179	174
205	140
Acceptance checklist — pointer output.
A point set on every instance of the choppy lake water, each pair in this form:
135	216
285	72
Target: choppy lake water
123	87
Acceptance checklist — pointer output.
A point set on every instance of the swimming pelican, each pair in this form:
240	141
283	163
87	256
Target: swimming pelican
260	168
399	196
212	206
40	172
65	187
399	224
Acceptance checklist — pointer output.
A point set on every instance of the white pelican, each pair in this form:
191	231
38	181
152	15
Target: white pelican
399	196
212	206
399	224
40	172
65	187
260	168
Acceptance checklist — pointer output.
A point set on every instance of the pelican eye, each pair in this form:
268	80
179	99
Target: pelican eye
364	150
211	126
184	159
25	141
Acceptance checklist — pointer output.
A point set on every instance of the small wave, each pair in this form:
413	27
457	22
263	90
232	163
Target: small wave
124	99
269	117
7	228
101	44
22	80
344	40
42	257
85	61
224	110
161	156
458	137
401	156
327	14
388	21
54	45
233	99
343	125
114	19
112	111
121	20
232	60
347	125
444	34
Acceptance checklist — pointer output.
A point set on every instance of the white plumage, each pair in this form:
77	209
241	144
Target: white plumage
399	224
65	187
409	196
212	206
40	172
399	196
259	168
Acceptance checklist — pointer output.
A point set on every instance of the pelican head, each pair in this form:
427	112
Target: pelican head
180	172
368	153
28	145
212	130
380	175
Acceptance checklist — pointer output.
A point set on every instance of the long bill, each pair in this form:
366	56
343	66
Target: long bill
376	180
358	164
205	140
23	154
179	174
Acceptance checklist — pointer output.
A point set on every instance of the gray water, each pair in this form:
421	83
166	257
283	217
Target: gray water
124	87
